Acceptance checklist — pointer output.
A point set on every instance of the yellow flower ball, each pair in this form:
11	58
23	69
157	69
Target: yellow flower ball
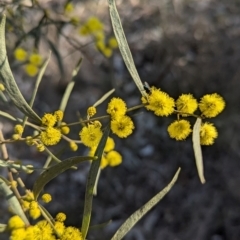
34	210
90	135
110	144
49	120
71	233
91	111
29	196
35	59
15	222
208	133
116	107
186	103
114	158
25	205
20	54
45	230
46	198
159	102
112	42
59	226
61	217
18	129
211	105
94	24
31	70
16	136
32	232
40	147
107	52
179	129
59	115
51	136
104	162
122	126
18	234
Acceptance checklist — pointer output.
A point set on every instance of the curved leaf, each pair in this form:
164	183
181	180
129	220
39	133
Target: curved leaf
54	171
39	79
92	178
135	217
197	149
7	115
8	80
104	97
70	86
13	201
123	46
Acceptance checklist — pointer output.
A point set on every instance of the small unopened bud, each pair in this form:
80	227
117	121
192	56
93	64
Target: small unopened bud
73	146
91	111
29	169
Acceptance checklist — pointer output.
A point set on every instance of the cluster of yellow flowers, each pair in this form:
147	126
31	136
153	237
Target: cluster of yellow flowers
43	230
91	134
210	106
94	27
30	205
69	12
51	132
121	124
110	157
32	61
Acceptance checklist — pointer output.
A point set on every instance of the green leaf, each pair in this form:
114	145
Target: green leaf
7	115
92	177
13	201
135	217
8	80
104	97
123	46
197	149
54	171
3	97
39	79
70	86
53	157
